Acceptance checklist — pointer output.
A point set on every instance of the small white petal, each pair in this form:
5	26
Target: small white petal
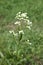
19	12
19	16
29	23
23	14
15	34
17	23
28	40
28	27
11	31
21	31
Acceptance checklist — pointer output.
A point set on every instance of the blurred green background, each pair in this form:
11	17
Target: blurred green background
8	10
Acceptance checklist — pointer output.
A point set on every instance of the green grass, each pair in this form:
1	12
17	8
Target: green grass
8	10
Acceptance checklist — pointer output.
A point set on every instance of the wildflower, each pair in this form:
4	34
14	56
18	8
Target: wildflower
21	32
19	16
17	23
23	14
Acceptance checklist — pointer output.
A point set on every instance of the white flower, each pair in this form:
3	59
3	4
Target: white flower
28	40
17	23
23	14
21	31
28	21
11	31
18	13
15	34
28	27
30	43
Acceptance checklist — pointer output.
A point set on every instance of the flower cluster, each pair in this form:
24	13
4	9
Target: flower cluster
21	23
22	18
21	15
16	34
